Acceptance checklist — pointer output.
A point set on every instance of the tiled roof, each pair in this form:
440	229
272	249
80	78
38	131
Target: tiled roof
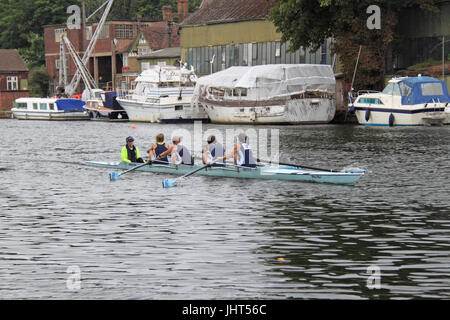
11	61
157	35
223	11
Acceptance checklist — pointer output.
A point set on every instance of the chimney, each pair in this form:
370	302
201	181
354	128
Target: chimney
167	13
183	8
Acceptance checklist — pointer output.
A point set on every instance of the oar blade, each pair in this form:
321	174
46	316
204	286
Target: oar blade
168	183
113	176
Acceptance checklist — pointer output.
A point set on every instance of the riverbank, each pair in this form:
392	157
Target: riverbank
5	115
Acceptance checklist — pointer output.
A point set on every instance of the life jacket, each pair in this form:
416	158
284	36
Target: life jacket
215	151
183	156
132	155
160	148
245	156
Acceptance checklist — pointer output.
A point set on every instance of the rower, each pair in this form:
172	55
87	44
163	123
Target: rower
242	153
179	154
157	148
213	151
130	153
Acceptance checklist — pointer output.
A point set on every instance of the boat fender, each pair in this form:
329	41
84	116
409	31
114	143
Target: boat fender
367	115
391	120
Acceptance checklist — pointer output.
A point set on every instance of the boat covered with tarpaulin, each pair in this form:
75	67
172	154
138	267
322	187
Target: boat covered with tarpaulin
269	94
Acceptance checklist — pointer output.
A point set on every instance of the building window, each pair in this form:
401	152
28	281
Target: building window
57	64
124	31
278	49
59	33
12	83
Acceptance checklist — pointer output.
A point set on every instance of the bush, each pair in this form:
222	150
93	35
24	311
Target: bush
39	82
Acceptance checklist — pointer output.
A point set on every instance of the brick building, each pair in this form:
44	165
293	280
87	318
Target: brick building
119	43
13	78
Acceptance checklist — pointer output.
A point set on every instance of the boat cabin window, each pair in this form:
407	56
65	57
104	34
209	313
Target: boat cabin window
43	106
52	106
21	105
178	108
370	100
432	89
392	88
405	89
35	106
240	92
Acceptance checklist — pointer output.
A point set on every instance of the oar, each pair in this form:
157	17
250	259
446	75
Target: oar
116	175
298	165
356	170
169	183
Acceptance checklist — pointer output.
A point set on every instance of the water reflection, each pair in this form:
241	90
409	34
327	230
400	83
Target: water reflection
216	238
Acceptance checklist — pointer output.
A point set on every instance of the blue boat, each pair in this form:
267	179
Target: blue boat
407	101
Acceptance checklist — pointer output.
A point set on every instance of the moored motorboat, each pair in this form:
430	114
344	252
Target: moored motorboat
49	109
231	171
163	94
103	106
407	101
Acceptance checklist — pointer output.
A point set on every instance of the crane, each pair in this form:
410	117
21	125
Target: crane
82	71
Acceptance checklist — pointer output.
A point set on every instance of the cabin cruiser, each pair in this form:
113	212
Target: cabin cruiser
49	109
103	105
406	101
163	94
269	94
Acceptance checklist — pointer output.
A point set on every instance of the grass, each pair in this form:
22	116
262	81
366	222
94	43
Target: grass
425	64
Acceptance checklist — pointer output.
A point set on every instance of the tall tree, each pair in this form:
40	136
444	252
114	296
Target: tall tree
308	22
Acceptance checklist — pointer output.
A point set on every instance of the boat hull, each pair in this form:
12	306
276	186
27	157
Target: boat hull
47	115
405	116
148	112
265	173
294	111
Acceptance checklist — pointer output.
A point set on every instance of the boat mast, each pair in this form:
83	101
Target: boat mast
443	58
356	67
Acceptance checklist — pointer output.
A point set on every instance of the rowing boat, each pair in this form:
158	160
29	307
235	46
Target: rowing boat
231	171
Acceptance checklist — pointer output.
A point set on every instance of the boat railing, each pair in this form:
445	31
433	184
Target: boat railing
360	92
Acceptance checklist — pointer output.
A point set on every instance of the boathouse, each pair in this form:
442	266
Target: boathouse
225	33
13	79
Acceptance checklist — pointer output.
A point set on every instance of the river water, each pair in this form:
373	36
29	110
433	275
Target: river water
388	236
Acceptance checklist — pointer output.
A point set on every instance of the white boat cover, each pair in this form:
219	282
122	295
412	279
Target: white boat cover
157	74
273	80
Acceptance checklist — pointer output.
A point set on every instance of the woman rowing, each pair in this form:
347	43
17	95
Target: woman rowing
242	153
130	153
157	149
179	154
213	152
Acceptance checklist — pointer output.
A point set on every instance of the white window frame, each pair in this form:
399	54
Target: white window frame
12	83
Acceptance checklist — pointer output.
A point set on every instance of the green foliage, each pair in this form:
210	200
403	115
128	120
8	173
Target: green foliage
425	64
306	23
38	81
22	21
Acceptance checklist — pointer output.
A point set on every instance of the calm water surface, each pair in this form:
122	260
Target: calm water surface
223	238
